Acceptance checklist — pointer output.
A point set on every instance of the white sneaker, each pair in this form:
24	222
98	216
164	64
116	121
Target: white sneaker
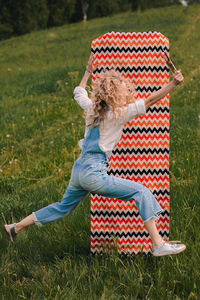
167	248
11	231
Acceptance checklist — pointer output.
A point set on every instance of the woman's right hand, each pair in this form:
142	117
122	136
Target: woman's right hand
91	67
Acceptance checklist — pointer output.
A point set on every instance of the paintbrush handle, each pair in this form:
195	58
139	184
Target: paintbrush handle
170	63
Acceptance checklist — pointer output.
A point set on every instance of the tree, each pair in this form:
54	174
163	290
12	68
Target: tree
85	6
60	11
107	7
22	16
146	4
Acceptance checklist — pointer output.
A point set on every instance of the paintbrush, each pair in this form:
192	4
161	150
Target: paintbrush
169	62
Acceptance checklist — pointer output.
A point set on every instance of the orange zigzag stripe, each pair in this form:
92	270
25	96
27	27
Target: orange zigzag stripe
137	76
133	35
117	206
137	164
123	248
137	143
121	44
131	63
130	56
163	103
125	229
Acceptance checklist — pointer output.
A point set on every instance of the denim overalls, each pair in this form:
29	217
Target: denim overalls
89	174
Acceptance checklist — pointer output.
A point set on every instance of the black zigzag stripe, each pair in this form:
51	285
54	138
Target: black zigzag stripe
124	173
158	109
142	69
126	49
115	214
133	172
101	213
164	234
161	192
110	235
141	151
123	254
164	213
135	69
151	129
96	252
156	193
119	234
147	89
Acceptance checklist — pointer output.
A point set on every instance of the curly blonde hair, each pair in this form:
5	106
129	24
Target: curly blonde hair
109	91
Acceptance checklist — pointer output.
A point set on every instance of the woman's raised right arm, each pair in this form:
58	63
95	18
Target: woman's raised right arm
81	97
156	96
80	94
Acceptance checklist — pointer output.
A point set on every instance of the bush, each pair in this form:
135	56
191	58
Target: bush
6	31
19	17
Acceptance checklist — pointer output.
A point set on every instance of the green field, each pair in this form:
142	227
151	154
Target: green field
40	125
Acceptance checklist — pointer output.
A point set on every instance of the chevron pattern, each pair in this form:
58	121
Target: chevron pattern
142	154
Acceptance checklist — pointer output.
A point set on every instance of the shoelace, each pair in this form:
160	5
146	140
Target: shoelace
173	242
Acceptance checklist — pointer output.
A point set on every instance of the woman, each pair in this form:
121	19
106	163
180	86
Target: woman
106	112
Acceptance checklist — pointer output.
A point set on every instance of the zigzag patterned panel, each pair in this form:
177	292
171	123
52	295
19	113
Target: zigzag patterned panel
142	153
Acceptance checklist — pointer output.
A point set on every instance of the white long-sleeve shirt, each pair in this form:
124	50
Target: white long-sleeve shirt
110	128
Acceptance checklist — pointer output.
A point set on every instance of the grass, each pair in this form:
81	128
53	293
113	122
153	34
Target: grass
39	130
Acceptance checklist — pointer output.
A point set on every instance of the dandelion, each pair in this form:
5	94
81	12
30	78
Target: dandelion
8	135
52	35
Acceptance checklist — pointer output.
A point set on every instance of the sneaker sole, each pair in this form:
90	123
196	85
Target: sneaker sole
7	229
167	253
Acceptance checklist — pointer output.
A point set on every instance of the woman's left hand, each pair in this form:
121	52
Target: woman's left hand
178	77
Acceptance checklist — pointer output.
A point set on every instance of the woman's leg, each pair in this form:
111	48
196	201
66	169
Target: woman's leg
115	187
71	199
13	229
149	208
24	223
153	232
